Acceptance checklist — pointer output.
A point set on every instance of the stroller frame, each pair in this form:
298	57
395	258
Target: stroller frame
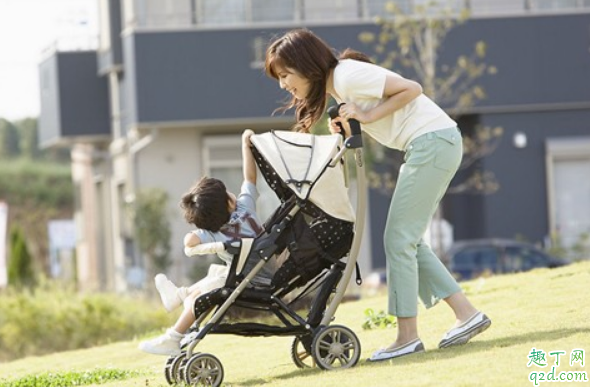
314	337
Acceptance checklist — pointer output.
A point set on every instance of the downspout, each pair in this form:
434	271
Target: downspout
134	149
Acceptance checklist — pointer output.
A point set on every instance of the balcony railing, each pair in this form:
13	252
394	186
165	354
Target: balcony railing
224	13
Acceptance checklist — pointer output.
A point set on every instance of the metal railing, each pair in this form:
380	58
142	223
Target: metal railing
223	13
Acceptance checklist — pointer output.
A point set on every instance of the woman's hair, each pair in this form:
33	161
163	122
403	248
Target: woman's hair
310	56
206	204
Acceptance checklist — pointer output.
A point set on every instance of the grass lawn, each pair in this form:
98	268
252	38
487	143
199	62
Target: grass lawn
548	310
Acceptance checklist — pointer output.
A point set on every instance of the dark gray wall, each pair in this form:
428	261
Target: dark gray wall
200	75
74	98
541	59
519	207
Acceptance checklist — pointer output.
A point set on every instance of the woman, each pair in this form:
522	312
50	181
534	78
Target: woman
393	111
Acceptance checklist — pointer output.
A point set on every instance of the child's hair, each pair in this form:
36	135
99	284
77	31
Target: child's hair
301	50
206	204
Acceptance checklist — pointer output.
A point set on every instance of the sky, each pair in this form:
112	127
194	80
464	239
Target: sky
28	28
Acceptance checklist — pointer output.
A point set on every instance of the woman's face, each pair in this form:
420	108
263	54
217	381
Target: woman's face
293	82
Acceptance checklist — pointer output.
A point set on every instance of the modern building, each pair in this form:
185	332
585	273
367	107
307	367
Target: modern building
172	84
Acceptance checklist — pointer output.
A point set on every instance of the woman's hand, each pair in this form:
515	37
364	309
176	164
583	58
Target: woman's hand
349	111
334	126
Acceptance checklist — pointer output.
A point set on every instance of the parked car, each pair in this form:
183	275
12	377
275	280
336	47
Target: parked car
473	258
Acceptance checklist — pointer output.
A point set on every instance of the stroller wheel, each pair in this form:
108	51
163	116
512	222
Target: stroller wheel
202	369
172	369
300	354
335	347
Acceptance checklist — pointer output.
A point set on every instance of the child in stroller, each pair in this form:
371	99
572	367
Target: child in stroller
218	216
314	227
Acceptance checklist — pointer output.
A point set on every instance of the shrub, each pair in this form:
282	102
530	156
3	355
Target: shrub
380	320
52	318
20	262
69	378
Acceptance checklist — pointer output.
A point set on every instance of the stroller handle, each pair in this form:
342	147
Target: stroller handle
355	125
205	248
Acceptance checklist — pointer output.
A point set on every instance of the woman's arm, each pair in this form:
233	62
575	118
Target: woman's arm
249	166
398	92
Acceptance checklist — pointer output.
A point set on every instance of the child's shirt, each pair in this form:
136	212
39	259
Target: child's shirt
243	222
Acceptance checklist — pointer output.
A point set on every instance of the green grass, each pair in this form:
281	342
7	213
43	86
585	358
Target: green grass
545	309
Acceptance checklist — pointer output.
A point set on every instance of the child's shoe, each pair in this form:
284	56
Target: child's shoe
168	344
171	296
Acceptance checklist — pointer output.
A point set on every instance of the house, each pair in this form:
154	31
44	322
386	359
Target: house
164	98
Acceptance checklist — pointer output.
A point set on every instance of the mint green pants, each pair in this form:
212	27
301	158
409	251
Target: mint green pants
413	270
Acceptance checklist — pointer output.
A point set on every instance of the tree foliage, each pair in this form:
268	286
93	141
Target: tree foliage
410	42
20	263
152	227
20	140
8	139
36	184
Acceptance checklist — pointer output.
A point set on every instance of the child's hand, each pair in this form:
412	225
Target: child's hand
246	137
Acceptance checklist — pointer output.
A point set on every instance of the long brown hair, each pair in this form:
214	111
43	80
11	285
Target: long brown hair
310	56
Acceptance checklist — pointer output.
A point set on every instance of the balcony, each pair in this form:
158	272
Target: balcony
240	13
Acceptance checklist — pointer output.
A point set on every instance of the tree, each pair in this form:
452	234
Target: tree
412	41
152	228
28	138
8	139
20	264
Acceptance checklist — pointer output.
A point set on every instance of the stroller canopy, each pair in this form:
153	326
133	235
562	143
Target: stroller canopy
302	162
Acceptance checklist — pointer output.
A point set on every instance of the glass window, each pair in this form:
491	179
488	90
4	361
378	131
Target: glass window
514	260
487	259
221	11
483	7
322	10
272	10
554	4
223	160
474	261
523	258
569	208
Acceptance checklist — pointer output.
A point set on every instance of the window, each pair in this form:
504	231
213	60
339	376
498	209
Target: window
272	10
258	46
484	7
330	10
568	192
223	160
473	261
220	11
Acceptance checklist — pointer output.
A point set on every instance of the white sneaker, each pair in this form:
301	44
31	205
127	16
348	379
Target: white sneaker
410	348
476	324
169	293
168	344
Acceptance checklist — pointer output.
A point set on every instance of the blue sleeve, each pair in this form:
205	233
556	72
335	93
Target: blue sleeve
204	235
247	198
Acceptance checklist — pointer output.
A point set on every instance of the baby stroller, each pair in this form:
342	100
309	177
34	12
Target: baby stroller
314	237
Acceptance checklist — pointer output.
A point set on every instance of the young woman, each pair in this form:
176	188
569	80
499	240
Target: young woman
393	111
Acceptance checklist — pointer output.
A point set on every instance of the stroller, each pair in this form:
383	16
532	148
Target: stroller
308	248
